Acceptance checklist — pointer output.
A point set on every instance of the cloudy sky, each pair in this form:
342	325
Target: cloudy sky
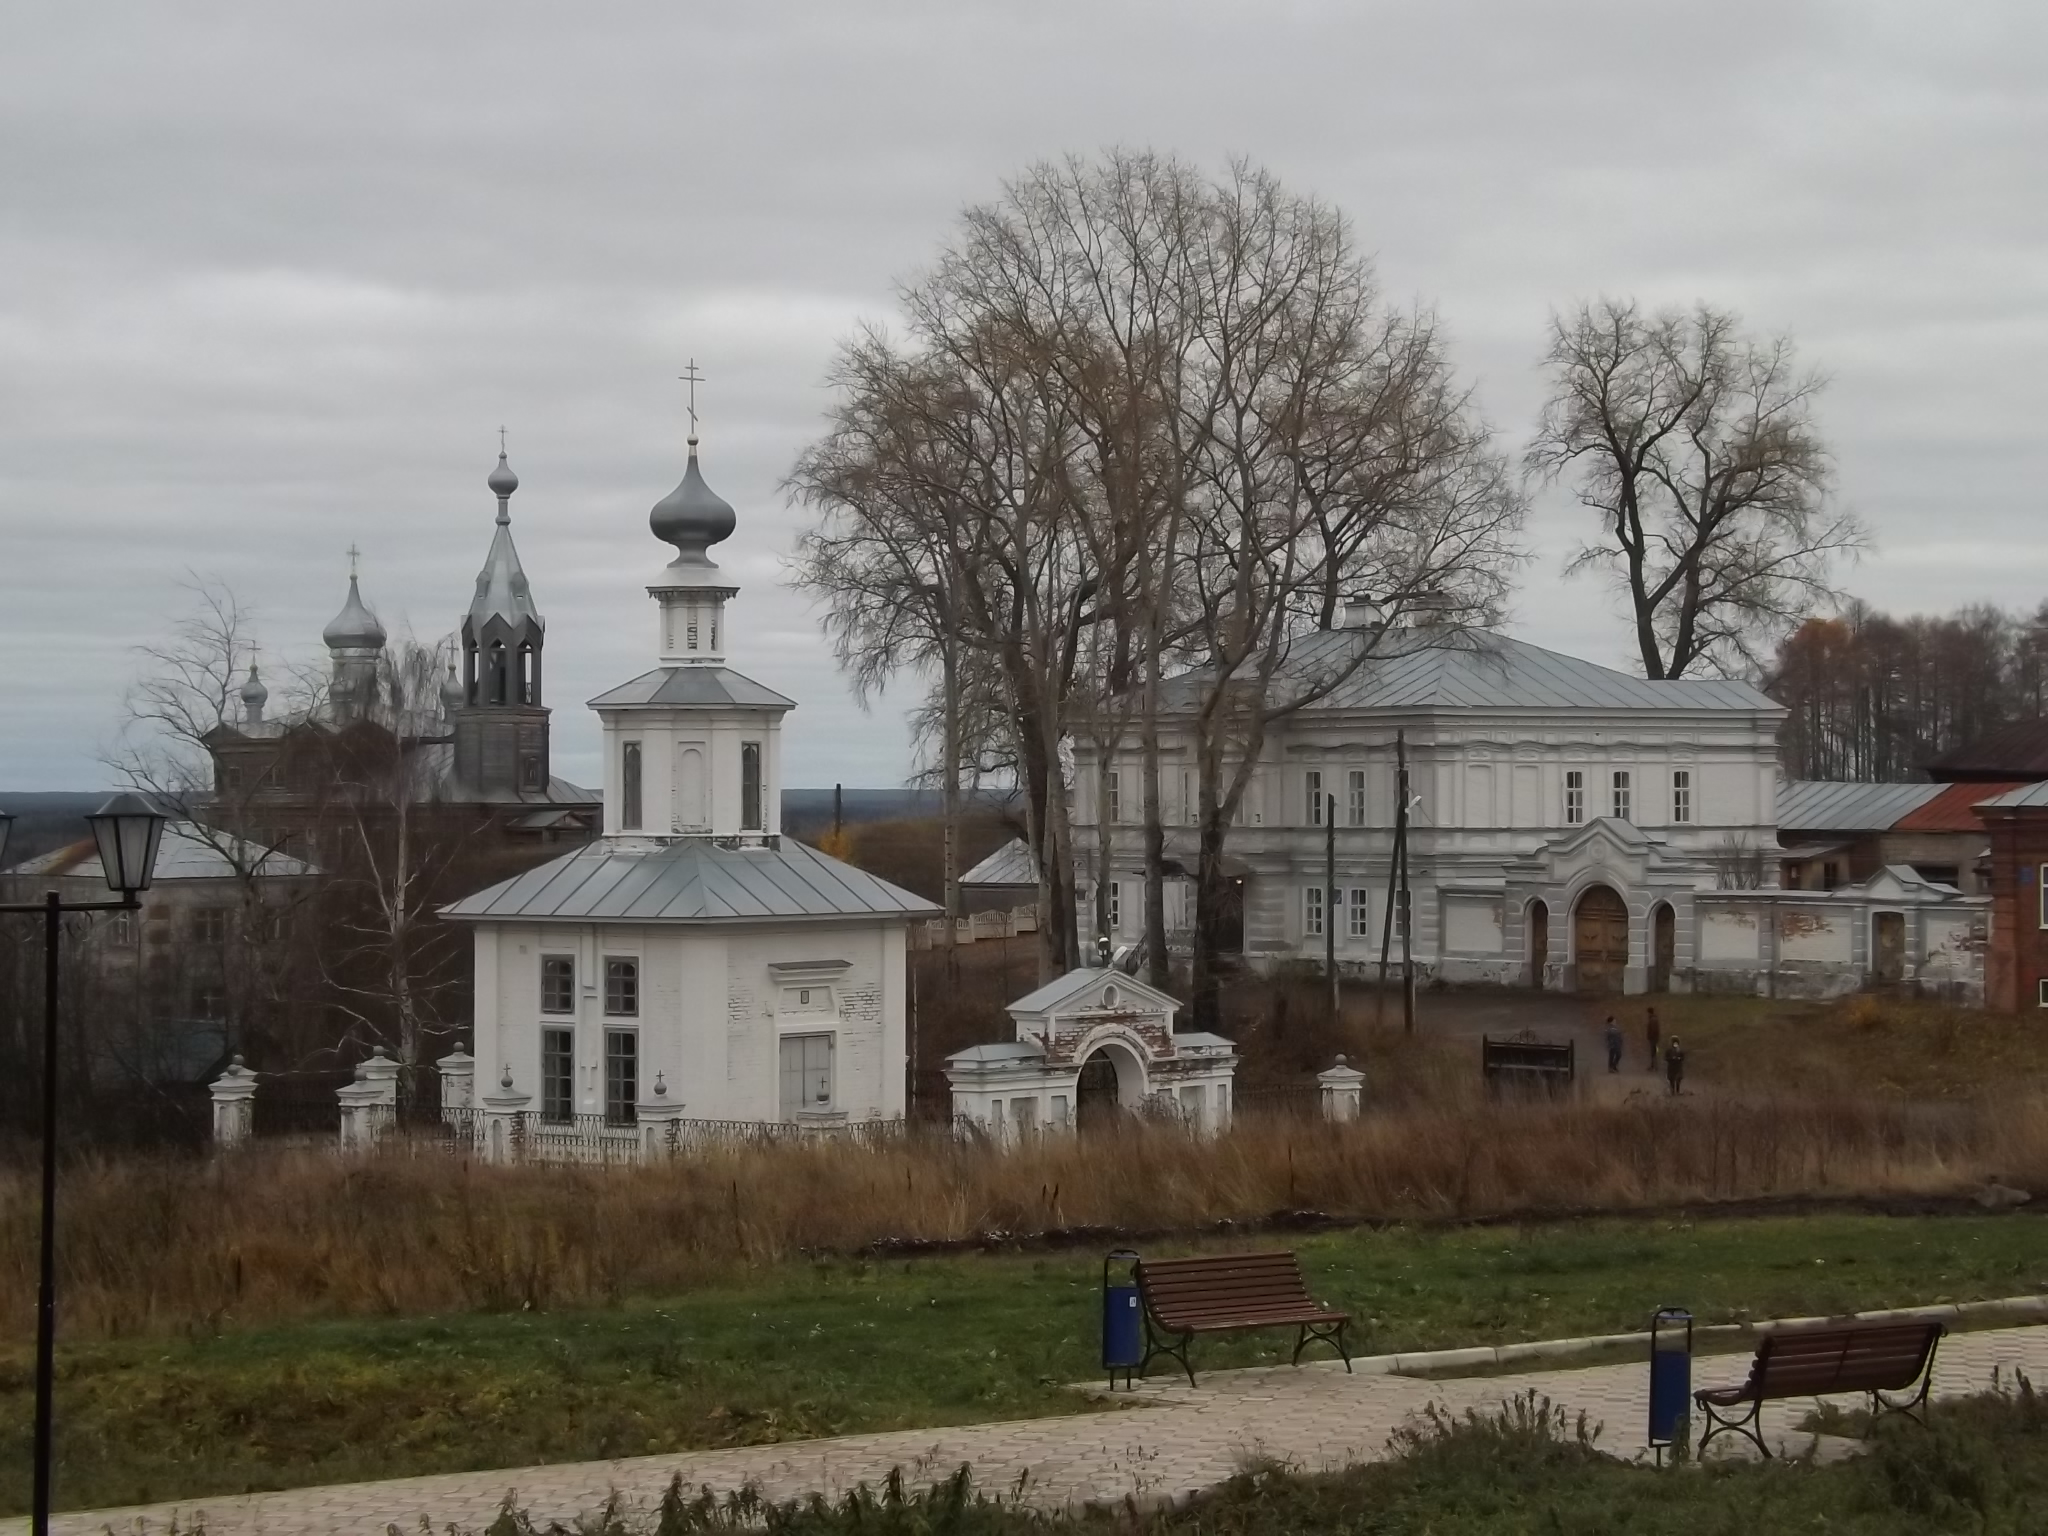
272	276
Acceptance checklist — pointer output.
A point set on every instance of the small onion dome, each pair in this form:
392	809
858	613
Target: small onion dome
692	516
254	694
451	690
355	627
502	482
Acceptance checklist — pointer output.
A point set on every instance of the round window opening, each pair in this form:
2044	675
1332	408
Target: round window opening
1111	997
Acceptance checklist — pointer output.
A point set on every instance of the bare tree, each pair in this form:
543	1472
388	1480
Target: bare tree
1696	447
186	701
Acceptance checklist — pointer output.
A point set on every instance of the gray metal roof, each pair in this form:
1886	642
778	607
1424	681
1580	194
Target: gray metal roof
186	852
2026	797
1003	1051
667	687
693	881
1422	669
1010	864
1821	805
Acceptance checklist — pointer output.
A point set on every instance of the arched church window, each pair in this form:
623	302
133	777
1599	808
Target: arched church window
497	672
525	691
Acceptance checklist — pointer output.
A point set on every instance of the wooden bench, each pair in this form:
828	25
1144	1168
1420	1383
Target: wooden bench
1878	1358
1226	1293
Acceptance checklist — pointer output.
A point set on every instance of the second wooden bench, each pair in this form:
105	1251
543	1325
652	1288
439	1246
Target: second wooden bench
1228	1293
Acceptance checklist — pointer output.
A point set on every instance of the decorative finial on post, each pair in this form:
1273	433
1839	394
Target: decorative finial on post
355	557
660	1086
505	1079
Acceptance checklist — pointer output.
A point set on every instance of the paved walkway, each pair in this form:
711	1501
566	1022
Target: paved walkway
1184	1440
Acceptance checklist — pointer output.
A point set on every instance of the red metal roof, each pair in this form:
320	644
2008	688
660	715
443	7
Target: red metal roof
1953	810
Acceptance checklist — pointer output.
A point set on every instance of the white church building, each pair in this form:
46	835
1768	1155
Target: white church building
692	960
1571	827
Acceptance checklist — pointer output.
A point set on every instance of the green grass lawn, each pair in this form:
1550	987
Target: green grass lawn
841	1347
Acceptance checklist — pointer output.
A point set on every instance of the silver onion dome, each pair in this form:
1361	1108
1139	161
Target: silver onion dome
355	627
254	694
503	482
692	517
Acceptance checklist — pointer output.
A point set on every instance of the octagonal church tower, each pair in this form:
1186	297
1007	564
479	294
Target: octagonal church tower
692	955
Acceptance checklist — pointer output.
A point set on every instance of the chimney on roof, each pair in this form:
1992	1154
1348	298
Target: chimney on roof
1361	612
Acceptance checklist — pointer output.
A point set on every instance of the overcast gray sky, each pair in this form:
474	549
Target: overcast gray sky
271	276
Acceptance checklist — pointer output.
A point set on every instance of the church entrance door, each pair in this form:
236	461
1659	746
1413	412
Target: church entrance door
1600	940
1663	947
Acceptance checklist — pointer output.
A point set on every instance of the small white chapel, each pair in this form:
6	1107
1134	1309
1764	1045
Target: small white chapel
693	958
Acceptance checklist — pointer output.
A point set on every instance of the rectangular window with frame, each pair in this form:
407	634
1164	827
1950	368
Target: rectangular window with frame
1681	796
1358	913
1115	888
750	787
806	1073
529	771
1574	797
690	634
1190	797
1312	911
1620	799
1113	797
210	927
621	988
557	983
2044	991
557	1075
629	786
2041	886
621	1075
1355	787
1312	794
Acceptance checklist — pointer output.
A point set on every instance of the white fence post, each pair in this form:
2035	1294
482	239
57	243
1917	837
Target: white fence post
458	1080
1343	1091
369	1105
501	1139
234	1105
660	1119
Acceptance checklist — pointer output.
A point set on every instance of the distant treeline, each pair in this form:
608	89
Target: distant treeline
1877	698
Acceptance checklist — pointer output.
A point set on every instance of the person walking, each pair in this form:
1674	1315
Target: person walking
1650	1034
1674	1065
1613	1045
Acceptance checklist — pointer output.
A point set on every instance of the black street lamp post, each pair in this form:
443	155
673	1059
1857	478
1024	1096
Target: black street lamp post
127	829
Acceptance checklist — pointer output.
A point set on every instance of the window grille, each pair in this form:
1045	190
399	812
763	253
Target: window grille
1574	797
557	984
1619	796
621	1075
1312	911
1681	796
1358	913
622	988
557	1075
1113	796
1356	788
1312	787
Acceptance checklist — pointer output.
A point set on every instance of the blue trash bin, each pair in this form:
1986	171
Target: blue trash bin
1123	1320
1670	1376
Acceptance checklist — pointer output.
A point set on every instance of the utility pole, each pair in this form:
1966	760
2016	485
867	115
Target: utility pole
1407	901
1330	904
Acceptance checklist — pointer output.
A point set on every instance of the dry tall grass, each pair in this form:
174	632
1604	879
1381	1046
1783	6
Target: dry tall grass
167	1244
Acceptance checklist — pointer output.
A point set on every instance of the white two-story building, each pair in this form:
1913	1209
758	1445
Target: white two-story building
1570	827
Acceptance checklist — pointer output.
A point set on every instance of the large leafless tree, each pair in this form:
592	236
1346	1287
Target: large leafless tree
1695	445
1145	430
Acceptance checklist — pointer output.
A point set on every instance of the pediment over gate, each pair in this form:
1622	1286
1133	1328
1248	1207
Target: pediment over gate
1607	846
1087	999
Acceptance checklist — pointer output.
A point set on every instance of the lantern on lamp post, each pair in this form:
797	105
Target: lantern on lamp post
127	830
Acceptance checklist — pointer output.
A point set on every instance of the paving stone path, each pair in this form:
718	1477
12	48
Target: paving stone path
1181	1441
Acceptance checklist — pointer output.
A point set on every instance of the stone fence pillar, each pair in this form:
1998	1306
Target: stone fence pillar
502	1138
369	1105
458	1080
234	1105
1343	1091
661	1122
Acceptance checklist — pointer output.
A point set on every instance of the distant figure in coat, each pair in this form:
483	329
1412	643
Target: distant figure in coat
1650	1034
1674	1064
1613	1045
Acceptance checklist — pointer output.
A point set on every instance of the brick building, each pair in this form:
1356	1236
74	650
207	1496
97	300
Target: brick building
2016	962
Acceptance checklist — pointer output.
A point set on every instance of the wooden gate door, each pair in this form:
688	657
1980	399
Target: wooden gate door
1600	940
1539	942
1888	948
1663	948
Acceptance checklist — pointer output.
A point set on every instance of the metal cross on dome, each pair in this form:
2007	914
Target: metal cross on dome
691	376
354	558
